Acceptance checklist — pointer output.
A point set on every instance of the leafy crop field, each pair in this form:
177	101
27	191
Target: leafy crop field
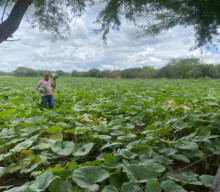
110	135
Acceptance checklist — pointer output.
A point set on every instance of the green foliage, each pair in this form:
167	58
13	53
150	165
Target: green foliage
87	177
110	135
157	16
154	16
25	72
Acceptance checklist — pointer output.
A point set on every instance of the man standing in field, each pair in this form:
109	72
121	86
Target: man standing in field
47	94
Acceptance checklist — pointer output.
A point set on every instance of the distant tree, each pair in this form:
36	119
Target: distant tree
115	74
148	72
93	72
2	73
181	67
195	72
217	70
165	72
75	73
104	74
25	72
60	73
131	73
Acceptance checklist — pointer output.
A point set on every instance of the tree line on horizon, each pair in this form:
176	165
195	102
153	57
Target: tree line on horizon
175	69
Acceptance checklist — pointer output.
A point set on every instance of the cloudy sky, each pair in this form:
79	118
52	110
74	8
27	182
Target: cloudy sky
84	49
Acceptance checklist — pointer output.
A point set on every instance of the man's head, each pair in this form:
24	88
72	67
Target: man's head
46	76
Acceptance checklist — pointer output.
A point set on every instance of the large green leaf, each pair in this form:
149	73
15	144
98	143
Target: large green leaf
126	153
185	178
110	188
87	177
34	120
43	181
180	158
64	150
54	129
171	186
84	150
207	180
23	188
140	173
187	145
130	187
2	171
153	186
111	145
60	186
22	146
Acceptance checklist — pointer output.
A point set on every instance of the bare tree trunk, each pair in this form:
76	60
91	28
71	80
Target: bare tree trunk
216	182
11	24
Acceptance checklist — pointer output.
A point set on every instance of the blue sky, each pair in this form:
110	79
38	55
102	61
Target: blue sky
84	49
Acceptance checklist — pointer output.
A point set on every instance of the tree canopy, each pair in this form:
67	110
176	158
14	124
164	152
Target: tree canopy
152	16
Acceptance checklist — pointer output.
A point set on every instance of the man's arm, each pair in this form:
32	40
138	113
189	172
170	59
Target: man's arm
54	83
38	85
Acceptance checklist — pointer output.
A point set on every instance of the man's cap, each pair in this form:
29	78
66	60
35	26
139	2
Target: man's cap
44	74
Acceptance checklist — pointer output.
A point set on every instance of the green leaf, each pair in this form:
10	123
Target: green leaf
140	173
54	129
84	150
21	146
171	186
153	186
64	150
35	119
187	145
126	153
63	172
60	186
163	159
180	158
2	171
207	180
130	187
111	145
110	188
43	181
23	188
58	136
87	177
185	178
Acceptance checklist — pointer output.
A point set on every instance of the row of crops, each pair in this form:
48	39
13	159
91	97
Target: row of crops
110	136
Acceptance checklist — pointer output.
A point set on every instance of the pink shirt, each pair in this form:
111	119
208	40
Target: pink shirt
48	87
